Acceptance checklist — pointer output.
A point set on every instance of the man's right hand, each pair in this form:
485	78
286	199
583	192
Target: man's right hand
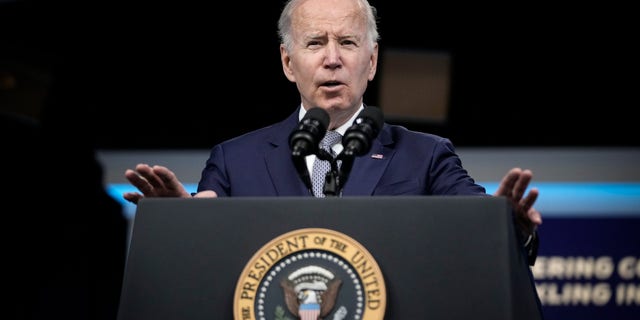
156	181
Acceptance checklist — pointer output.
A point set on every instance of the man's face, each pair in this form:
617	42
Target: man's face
332	59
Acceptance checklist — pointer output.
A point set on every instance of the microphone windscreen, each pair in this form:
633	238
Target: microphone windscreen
318	114
375	115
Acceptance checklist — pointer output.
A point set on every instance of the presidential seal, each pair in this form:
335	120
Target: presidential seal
311	274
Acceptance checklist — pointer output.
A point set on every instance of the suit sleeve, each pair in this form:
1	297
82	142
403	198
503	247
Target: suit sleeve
214	173
450	177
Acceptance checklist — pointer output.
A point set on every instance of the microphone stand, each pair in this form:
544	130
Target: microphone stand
337	176
345	169
331	179
334	179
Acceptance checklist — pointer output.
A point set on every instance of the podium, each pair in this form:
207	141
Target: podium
441	257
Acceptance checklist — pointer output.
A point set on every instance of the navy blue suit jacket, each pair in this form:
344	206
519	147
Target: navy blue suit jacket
400	162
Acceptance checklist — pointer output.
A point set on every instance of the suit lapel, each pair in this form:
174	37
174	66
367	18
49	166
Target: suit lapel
368	169
282	171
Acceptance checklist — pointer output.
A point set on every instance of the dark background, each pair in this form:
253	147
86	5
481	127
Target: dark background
188	74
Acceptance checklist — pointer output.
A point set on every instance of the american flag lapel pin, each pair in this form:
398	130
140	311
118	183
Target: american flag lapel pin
377	156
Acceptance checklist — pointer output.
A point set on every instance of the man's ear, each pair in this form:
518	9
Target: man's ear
285	58
373	62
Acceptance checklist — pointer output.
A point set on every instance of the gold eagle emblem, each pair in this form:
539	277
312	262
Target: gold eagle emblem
308	287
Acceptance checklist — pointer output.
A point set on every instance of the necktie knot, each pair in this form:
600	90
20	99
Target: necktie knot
330	139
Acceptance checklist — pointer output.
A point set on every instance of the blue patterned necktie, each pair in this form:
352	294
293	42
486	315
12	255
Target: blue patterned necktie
321	167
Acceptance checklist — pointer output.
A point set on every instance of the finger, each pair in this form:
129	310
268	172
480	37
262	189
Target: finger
528	216
170	182
508	181
521	185
139	182
133	197
527	202
533	215
529	221
152	178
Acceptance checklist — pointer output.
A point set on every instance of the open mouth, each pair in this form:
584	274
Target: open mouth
331	83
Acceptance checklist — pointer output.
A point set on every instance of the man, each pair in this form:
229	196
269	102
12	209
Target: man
329	49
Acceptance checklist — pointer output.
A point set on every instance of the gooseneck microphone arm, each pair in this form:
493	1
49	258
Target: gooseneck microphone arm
305	139
357	141
331	180
345	169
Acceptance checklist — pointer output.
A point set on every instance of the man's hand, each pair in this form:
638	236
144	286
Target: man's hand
513	186
156	181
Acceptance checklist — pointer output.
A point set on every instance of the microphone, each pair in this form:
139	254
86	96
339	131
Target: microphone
357	139
305	139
